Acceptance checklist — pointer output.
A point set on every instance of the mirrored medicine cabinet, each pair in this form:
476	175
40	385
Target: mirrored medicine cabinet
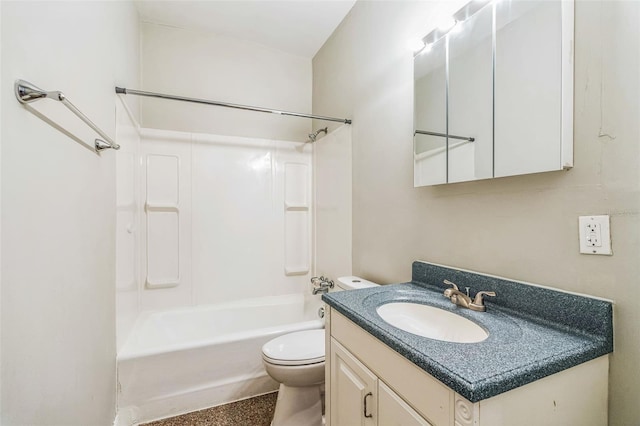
493	95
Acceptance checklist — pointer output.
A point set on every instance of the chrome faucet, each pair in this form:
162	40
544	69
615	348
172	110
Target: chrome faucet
461	299
321	284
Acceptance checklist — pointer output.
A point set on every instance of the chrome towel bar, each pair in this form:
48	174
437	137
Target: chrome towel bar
27	92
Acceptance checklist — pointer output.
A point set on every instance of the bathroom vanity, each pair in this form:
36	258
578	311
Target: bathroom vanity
545	364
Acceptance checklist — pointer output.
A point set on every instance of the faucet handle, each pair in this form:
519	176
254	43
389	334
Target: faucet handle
449	292
478	301
447	282
321	284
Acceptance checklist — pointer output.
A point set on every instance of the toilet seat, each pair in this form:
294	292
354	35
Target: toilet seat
295	349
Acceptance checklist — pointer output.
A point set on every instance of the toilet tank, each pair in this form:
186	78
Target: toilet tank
354	283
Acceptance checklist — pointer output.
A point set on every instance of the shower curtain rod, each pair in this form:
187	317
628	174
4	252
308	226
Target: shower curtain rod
125	91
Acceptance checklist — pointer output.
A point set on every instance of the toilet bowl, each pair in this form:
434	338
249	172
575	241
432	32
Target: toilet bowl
296	361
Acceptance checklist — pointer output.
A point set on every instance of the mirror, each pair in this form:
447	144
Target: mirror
471	98
430	146
493	95
528	87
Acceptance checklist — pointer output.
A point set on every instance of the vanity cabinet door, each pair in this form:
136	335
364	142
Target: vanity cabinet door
393	411
353	390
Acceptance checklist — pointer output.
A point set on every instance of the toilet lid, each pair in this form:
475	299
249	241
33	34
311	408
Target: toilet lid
299	348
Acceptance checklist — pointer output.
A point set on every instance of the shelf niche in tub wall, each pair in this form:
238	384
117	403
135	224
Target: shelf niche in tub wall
297	218
166	171
163	221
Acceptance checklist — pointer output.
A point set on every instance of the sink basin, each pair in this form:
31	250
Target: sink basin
431	322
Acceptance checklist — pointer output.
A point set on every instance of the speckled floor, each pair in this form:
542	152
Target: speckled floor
256	411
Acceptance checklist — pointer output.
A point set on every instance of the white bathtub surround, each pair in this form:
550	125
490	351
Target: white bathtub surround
230	194
213	205
188	359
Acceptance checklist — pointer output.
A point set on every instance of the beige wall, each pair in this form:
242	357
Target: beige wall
204	65
519	227
59	211
332	204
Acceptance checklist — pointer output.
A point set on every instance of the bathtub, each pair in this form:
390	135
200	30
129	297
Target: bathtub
188	359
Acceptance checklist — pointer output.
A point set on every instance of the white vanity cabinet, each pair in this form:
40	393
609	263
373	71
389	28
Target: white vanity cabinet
369	384
359	397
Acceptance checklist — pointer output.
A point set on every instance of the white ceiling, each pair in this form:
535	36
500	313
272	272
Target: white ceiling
299	27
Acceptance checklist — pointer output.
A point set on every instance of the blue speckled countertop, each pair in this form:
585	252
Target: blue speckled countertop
533	331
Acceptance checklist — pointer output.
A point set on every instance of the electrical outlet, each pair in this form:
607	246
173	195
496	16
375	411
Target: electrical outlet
595	235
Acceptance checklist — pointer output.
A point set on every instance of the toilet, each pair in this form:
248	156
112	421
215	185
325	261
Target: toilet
296	361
